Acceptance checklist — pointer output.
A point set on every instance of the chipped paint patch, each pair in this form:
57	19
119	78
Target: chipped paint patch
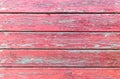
66	21
24	60
3	8
3	60
107	34
60	45
1	51
25	45
1	75
96	46
29	60
4	45
84	51
6	33
40	60
74	51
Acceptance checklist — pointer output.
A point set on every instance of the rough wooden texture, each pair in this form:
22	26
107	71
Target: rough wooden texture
62	40
62	22
56	73
59	55
58	58
60	6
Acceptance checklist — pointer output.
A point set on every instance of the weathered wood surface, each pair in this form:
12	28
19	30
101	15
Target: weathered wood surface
58	58
62	22
62	40
56	73
60	6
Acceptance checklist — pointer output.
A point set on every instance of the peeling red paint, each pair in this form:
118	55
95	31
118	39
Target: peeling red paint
60	22
56	73
78	58
83	45
63	40
60	6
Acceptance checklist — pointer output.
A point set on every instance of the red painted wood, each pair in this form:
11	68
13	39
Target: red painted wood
78	58
56	73
60	40
68	40
62	22
60	6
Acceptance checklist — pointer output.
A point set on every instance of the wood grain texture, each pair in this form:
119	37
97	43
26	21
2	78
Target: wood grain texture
60	6
56	73
58	58
62	40
62	22
42	64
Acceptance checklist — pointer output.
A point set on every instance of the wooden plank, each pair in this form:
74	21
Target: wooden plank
60	6
60	40
56	73
62	22
60	58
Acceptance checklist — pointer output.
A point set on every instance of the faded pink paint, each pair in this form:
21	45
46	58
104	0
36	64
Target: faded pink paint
62	40
26	59
57	73
60	6
62	22
58	58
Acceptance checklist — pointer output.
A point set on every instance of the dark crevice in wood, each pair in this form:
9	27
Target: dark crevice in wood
63	31
59	48
59	66
57	31
59	12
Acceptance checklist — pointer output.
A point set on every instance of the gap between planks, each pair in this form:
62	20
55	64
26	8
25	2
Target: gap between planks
59	12
62	67
62	31
59	49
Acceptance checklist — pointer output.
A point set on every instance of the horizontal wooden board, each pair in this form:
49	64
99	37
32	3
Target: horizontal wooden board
56	73
58	58
62	22
60	6
60	40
